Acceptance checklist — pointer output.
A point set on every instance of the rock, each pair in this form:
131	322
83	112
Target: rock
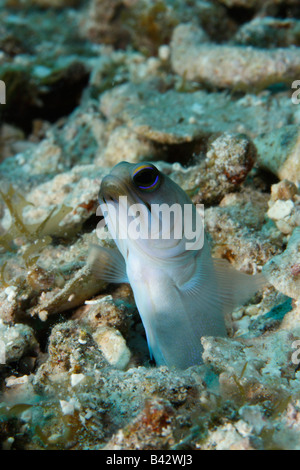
15	342
269	32
73	350
284	190
148	24
105	311
9	303
174	118
283	270
151	427
113	347
82	285
238	230
242	363
79	147
13	381
47	158
229	437
124	144
76	379
10	139
42	3
140	402
57	149
279	152
68	407
228	159
235	67
254	3
280	209
291	321
77	190
284	210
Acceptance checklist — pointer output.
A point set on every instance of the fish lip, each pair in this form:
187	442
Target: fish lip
108	199
112	188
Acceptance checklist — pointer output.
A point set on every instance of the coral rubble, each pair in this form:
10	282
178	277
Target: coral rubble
207	91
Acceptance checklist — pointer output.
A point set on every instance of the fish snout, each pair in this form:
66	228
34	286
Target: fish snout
110	189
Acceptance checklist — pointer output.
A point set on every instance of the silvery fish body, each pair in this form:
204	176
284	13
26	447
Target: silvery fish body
181	292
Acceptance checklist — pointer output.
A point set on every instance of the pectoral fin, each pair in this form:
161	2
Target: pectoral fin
107	264
218	286
215	289
236	287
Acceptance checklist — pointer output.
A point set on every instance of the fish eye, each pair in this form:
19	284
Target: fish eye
146	177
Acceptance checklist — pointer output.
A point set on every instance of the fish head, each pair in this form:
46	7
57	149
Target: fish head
145	209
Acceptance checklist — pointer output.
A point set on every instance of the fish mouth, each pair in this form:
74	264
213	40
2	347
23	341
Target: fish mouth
112	188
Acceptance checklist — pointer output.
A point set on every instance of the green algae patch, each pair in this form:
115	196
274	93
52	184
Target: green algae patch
15	203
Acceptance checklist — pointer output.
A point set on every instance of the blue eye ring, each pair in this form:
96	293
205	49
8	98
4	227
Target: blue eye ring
146	177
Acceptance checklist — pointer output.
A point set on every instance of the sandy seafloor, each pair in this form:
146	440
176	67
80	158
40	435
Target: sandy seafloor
208	91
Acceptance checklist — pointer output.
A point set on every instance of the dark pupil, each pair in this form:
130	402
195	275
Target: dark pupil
145	178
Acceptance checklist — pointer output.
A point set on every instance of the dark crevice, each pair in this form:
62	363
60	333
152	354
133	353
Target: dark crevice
50	101
261	179
241	15
43	329
90	224
287	11
186	153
